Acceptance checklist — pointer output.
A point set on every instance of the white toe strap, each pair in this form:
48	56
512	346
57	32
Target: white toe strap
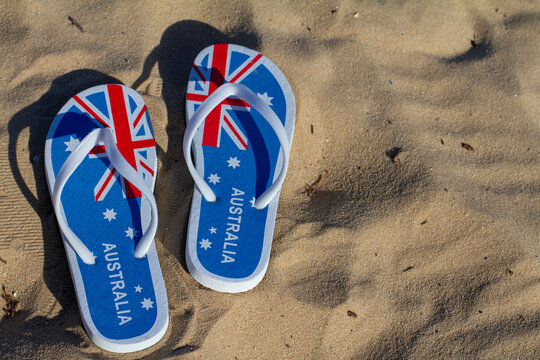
242	92
97	136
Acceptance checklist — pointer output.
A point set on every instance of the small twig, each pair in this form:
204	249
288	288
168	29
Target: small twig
311	189
408	268
75	23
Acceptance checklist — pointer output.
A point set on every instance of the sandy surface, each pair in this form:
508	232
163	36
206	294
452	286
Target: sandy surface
432	249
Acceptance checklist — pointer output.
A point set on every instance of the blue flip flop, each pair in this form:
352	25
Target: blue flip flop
100	162
240	111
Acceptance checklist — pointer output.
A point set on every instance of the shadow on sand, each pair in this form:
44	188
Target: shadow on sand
174	56
36	119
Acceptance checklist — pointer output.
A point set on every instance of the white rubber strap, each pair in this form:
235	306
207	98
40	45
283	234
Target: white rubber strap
105	136
242	92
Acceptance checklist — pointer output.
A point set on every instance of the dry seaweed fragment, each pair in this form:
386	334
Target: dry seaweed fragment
311	189
467	147
75	23
11	303
351	314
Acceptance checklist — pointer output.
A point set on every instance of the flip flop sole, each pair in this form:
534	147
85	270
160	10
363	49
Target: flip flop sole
237	152
122	299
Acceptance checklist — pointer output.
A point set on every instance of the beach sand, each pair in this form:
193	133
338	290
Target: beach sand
421	240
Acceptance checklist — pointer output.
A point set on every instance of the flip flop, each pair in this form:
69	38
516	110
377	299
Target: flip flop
241	155
100	162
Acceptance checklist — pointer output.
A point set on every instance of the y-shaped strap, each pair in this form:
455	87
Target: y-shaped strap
242	92
105	136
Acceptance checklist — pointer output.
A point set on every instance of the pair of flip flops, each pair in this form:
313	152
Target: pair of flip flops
100	161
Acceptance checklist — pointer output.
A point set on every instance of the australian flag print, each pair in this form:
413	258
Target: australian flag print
237	153
122	299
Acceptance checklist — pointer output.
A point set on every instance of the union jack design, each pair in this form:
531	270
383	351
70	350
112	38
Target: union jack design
214	70
112	107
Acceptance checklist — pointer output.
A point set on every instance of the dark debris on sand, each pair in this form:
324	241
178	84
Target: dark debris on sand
467	147
408	268
75	23
394	154
11	303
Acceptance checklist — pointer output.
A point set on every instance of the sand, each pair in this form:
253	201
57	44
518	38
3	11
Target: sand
413	246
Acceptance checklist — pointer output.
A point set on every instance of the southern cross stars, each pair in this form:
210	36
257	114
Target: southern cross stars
110	214
72	143
138	288
213	178
205	244
147	304
131	232
212	230
267	99
233	162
